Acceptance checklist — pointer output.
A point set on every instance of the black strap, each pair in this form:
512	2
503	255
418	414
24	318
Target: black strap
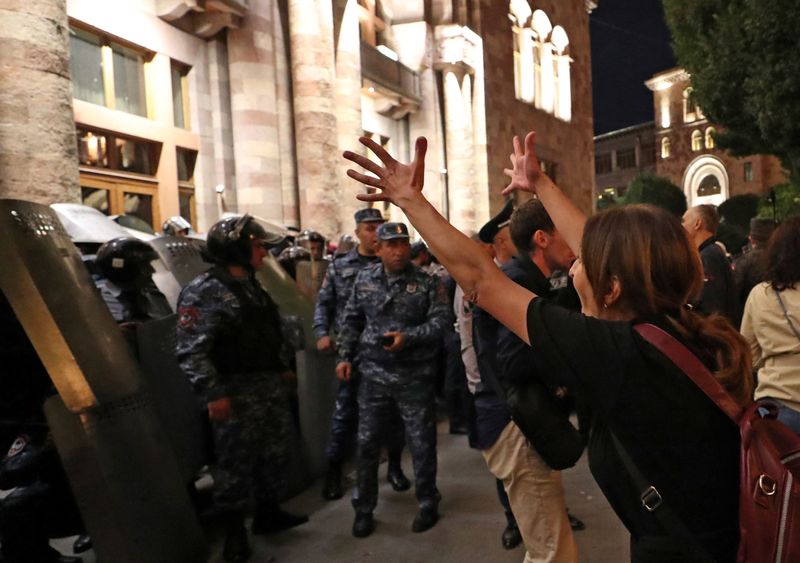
786	314
652	501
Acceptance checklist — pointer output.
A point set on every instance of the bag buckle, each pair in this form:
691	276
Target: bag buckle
651	499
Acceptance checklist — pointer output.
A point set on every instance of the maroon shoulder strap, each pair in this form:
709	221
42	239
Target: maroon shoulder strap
684	359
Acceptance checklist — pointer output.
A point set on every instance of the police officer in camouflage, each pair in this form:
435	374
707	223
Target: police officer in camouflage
229	346
392	324
331	301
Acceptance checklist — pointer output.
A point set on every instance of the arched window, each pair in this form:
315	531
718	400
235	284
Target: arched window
710	132
544	75
689	106
697	140
665	147
520	14
563	80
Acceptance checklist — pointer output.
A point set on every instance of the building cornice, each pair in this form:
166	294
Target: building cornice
202	18
664	80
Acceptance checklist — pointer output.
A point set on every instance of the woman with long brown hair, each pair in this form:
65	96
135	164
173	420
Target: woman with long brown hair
771	324
635	265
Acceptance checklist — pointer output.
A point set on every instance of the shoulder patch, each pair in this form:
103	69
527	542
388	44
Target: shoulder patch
187	316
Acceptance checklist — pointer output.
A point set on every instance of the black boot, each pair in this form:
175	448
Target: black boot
396	477
332	489
270	518
425	520
82	543
237	546
363	525
511	537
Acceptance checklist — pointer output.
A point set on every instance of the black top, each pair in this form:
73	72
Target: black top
719	293
683	444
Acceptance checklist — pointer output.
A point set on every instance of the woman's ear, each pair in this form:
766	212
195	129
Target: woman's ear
613	293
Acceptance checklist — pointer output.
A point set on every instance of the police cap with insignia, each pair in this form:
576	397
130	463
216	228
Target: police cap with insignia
390	231
490	229
369	215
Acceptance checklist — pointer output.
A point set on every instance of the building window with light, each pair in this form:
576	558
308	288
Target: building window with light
542	62
107	73
186	159
689	106
748	171
710	144
697	141
665	147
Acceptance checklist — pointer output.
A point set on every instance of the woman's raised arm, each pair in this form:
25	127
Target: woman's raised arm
480	279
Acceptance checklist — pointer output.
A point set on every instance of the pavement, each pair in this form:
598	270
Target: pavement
469	530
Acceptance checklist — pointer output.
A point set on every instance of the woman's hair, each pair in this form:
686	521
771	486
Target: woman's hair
783	255
659	271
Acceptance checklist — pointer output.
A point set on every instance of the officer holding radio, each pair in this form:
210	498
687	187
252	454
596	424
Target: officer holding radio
390	331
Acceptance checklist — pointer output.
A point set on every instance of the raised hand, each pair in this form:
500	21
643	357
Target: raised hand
525	171
396	181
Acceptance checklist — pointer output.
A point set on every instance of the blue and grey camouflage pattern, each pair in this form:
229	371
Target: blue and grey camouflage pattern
335	291
411	302
250	449
416	305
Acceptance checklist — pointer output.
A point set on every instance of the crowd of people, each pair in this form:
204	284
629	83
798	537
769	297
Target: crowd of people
534	319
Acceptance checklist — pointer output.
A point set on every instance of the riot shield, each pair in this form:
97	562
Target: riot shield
185	424
182	256
310	275
121	468
316	382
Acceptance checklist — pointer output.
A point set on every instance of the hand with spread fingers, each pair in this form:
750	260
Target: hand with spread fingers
397	182
525	172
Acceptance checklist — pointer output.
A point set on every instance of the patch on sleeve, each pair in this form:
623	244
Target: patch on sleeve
187	316
18	445
441	292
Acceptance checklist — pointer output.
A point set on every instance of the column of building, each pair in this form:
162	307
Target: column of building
316	132
37	138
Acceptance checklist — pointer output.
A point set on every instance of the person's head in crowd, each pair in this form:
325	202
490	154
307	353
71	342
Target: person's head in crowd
701	223
346	244
496	232
314	242
760	231
367	222
420	255
534	234
239	244
176	226
126	262
636	262
783	255
394	247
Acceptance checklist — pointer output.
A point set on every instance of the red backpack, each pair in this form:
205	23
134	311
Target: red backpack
769	494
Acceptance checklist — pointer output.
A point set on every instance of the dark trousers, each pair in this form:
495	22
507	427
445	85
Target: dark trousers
344	425
416	403
455	383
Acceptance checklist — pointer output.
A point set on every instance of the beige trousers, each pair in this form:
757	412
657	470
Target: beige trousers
536	496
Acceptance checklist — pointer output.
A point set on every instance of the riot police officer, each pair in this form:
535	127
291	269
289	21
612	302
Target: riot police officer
393	321
176	226
331	301
314	242
229	346
125	281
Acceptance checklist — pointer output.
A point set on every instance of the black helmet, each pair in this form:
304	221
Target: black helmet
346	244
228	240
310	236
174	225
125	259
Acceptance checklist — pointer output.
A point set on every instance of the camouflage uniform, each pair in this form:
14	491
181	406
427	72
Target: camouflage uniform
414	304
331	301
229	344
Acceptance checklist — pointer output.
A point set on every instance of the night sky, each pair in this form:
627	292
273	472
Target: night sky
630	43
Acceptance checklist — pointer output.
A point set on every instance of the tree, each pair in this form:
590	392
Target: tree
658	191
735	214
783	200
741	55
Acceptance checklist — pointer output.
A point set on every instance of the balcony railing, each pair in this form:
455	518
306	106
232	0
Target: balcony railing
393	75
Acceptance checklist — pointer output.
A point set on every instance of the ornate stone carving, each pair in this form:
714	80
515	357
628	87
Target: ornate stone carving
457	47
203	18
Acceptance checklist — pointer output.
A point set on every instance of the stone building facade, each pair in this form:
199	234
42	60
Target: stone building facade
686	150
620	156
193	108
